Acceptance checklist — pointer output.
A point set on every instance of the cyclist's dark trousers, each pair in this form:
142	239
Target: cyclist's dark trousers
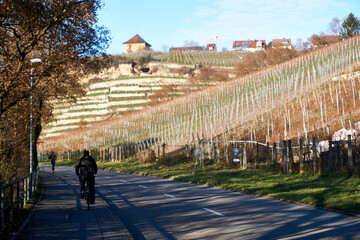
91	184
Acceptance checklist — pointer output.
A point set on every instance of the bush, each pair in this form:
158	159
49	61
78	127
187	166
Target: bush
154	69
151	156
251	62
278	55
208	74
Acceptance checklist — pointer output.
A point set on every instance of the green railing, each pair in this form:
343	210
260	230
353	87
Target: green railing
15	195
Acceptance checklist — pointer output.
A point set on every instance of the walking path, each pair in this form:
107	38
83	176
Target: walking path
61	214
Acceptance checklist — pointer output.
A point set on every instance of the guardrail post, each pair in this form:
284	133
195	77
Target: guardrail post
12	203
17	198
30	187
25	185
2	208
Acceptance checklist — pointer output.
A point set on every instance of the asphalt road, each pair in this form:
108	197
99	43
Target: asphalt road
154	208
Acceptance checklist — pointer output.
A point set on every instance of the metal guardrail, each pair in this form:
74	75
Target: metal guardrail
15	196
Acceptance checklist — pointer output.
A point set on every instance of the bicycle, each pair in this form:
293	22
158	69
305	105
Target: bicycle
87	195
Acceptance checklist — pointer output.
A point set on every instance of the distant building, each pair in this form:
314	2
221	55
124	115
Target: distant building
184	49
281	43
211	47
249	45
136	44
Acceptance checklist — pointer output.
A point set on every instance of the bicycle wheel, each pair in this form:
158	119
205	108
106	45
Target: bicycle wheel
87	196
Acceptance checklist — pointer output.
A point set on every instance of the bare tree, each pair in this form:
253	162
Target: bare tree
300	45
334	26
190	43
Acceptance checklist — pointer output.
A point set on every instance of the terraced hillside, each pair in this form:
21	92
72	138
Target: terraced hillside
316	93
107	98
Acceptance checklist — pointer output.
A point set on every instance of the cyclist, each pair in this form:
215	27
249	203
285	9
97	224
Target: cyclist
52	158
86	169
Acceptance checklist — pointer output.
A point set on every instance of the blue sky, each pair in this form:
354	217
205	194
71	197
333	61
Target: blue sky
169	23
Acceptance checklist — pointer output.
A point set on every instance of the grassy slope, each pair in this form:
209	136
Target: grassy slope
334	192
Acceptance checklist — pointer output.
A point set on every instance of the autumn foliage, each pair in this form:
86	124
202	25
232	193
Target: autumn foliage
256	61
65	39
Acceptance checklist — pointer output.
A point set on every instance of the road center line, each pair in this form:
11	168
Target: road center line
168	195
123	180
142	186
212	211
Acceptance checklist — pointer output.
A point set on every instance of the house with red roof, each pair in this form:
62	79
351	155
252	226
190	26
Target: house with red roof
136	44
249	45
211	47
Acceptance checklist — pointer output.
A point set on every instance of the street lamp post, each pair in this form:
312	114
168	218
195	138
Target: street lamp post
35	60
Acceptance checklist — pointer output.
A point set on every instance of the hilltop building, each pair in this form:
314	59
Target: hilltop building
284	43
136	44
211	47
249	45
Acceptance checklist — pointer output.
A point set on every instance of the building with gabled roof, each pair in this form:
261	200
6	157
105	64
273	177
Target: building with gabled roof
135	44
284	43
249	45
211	47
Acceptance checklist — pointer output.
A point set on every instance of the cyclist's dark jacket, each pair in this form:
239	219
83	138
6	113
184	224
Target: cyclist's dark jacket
86	167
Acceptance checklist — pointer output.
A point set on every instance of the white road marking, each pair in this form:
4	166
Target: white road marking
107	177
168	195
212	211
142	186
123	180
307	233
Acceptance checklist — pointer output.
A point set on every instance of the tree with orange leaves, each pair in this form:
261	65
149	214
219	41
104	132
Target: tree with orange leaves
65	36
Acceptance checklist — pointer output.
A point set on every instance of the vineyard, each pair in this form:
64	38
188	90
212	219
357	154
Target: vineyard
312	95
204	58
109	98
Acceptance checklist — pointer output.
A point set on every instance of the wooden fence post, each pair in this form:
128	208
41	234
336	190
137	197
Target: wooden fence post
350	164
291	157
355	160
164	149
201	148
217	151
267	155
275	155
301	158
244	157
226	152
196	151
314	155
257	154
285	161
337	159
330	163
